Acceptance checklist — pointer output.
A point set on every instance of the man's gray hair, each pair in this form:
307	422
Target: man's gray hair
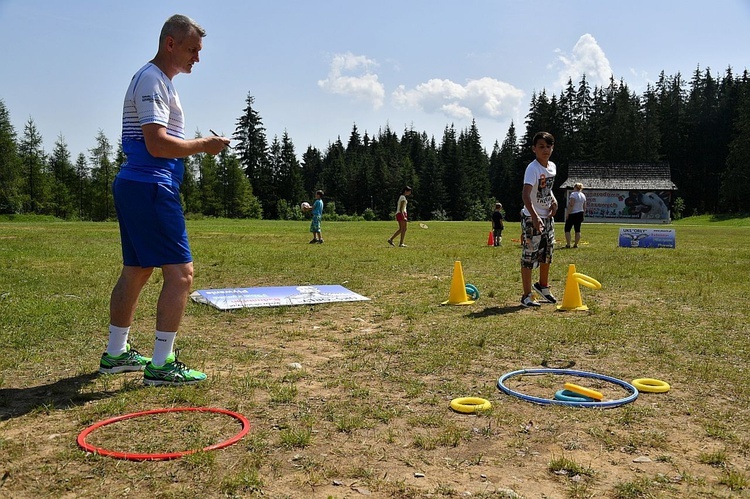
179	27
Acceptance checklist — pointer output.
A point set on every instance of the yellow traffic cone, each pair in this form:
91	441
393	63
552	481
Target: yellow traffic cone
572	297
458	294
491	240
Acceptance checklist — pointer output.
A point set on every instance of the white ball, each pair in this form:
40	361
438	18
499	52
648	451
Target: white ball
305	206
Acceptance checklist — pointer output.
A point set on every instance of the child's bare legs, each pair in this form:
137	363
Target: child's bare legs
401	230
543	275
526	277
526	280
402	224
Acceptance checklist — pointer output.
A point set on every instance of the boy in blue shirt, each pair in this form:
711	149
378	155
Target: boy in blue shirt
317	215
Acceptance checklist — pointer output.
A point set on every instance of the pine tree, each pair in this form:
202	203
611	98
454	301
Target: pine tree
433	193
312	168
190	188
33	161
238	199
81	193
291	186
10	166
102	174
64	180
454	175
211	188
354	194
252	150
334	165
734	198
476	163
511	168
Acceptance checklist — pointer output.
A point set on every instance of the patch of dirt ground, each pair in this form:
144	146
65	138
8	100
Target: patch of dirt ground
378	426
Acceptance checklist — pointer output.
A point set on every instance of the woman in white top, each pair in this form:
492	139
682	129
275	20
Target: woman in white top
574	214
402	217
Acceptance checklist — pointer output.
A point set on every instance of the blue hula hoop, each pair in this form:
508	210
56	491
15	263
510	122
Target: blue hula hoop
633	391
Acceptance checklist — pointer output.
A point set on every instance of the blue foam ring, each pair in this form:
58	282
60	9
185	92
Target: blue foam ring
572	396
472	291
571	372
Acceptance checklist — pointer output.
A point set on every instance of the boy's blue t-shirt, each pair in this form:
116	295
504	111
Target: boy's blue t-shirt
317	210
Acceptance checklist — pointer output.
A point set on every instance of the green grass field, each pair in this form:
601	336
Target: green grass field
369	413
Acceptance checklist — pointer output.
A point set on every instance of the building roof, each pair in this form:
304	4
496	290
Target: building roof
620	176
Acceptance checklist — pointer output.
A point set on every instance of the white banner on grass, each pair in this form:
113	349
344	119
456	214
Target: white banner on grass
234	298
646	238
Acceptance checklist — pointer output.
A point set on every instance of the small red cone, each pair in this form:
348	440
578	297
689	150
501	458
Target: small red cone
491	240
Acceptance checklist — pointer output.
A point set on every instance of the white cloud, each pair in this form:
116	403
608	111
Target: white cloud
485	97
587	58
350	74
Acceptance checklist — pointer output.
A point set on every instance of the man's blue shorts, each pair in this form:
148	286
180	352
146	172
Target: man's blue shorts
152	224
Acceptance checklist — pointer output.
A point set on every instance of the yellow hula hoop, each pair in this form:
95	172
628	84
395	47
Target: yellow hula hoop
469	405
584	391
651	385
587	281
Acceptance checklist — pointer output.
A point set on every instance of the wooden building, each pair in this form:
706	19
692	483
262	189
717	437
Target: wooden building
623	192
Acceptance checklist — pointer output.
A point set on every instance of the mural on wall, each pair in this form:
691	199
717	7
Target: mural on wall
643	205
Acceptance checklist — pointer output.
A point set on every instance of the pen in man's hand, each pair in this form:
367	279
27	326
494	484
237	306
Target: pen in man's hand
216	134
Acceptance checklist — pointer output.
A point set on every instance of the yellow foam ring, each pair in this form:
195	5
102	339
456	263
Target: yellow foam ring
587	281
469	405
584	391
651	385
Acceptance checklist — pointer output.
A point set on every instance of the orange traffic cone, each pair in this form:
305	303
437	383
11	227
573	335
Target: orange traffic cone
491	240
458	294
572	297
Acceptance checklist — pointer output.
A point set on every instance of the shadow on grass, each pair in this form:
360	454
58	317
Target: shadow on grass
489	312
61	394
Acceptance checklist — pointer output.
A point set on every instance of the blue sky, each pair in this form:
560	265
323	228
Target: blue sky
316	68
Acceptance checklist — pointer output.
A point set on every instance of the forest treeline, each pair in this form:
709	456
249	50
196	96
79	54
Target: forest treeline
701	127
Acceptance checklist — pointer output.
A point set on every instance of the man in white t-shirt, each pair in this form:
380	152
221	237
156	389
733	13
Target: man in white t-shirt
147	199
538	224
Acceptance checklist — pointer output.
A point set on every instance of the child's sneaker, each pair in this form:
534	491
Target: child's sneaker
131	360
529	301
545	292
173	373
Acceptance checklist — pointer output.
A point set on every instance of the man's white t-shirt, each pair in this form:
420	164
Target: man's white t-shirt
540	179
151	98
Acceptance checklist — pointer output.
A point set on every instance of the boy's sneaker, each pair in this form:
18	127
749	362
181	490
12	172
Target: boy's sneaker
131	360
545	292
314	241
391	242
319	241
529	301
173	373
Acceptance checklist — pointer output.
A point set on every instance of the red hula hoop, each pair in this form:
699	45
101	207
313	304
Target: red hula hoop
133	456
